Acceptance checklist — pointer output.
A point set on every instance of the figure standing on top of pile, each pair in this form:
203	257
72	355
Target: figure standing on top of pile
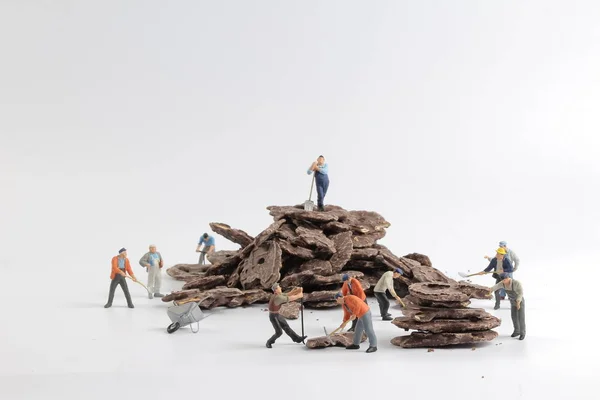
355	308
500	265
321	171
353	286
209	247
514	290
279	323
153	263
119	267
386	282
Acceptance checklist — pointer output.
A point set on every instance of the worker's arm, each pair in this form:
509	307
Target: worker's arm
514	257
345	289
518	289
497	286
489	267
296	296
389	282
324	169
313	167
144	260
128	269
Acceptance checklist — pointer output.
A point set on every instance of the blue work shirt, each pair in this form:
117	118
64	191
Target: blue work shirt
209	241
121	263
154	257
323	169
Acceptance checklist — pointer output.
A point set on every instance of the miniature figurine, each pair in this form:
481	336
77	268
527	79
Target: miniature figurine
279	323
153	262
120	267
355	308
386	282
321	171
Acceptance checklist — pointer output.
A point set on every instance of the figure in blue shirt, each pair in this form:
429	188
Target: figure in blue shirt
209	247
321	171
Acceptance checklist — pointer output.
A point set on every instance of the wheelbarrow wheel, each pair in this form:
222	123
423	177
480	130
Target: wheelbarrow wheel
173	327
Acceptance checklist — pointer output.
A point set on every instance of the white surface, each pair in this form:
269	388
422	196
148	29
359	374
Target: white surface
130	123
69	347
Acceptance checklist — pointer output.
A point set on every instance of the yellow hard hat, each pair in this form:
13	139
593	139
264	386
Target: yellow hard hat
501	251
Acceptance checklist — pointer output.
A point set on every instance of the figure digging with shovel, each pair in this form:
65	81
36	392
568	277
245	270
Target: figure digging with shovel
355	308
321	177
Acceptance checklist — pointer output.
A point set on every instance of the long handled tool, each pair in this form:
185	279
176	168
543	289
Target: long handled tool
309	205
328	335
302	318
464	275
127	276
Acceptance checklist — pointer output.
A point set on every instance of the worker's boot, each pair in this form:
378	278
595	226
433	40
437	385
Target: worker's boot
353	347
371	349
515	334
107	305
269	344
522	336
300	339
150	295
158	294
387	318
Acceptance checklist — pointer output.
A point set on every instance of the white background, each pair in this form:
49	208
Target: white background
125	123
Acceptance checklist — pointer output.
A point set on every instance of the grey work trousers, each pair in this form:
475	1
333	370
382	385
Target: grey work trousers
280	325
119	280
355	320
518	317
365	324
384	303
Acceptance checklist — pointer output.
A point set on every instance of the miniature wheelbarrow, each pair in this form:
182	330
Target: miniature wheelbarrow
185	314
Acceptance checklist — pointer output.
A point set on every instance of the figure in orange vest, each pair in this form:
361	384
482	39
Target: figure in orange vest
120	266
353	286
355	308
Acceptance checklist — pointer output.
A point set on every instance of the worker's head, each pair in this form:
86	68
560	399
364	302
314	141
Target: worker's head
276	288
152	248
505	278
398	273
123	252
345	277
321	160
339	298
500	253
205	236
502	244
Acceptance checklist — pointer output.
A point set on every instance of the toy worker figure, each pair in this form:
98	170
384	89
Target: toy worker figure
513	259
355	308
279	323
510	255
153	262
209	247
353	286
514	290
120	266
500	265
386	282
321	171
